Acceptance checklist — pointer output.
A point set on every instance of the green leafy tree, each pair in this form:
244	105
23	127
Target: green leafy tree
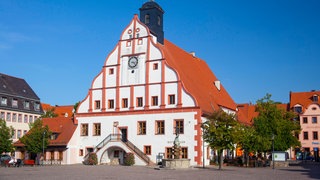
277	122
5	137
247	138
220	132
49	113
37	137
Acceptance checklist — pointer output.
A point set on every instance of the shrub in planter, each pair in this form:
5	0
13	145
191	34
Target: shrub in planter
129	159
92	159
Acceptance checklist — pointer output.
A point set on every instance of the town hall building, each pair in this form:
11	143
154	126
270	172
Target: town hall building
148	91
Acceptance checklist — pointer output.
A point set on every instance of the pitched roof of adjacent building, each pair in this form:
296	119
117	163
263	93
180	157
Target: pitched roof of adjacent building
246	113
16	87
303	98
61	111
63	127
197	79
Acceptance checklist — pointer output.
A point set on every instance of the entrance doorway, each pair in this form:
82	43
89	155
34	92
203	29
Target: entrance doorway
124	134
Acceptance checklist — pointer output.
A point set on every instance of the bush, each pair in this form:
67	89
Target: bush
129	159
92	159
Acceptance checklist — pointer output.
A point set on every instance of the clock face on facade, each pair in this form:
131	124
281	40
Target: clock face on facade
133	62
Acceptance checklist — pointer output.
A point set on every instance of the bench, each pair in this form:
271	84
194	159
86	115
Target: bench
28	162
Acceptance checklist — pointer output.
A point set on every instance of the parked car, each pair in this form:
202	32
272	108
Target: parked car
4	157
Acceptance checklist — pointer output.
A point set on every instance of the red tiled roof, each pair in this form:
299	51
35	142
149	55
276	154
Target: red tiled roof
302	98
64	126
197	79
246	113
59	110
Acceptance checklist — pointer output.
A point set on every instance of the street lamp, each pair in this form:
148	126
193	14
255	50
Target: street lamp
273	161
44	134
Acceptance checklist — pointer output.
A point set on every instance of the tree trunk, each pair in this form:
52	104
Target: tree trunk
220	158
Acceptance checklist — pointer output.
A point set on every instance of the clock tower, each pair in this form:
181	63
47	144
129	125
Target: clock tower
151	14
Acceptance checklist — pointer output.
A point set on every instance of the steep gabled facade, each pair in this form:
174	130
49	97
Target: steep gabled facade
147	91
19	104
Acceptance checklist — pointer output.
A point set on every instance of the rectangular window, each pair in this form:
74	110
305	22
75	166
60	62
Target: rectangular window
18	134
305	136
9	116
4	101
172	99
37	106
25	118
305	120
154	101
14	103
147	150
178	126
142	127
124	103
84	130
97	104
315	135
155	66
140	41
128	43
96	129
159	127
315	98
52	155
184	151
314	120
139	101
298	109
14	117
20	118
25	132
2	115
169	153
111	71
80	152
27	105
60	155
30	119
110	103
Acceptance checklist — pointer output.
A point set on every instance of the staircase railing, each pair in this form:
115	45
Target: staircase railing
110	137
130	145
136	150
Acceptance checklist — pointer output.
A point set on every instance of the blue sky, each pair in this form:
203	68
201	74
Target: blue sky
253	47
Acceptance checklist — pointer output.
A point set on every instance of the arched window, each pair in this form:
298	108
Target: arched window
159	20
147	19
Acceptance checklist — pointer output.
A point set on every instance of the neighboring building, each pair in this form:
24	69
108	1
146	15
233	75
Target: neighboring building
60	111
307	106
19	104
147	90
61	149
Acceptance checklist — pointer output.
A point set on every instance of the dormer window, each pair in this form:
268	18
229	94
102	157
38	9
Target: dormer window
4	101
315	98
15	103
298	109
147	19
54	136
27	105
37	106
